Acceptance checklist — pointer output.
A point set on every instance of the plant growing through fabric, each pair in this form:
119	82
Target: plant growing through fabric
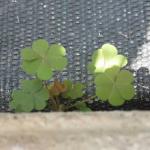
113	84
41	61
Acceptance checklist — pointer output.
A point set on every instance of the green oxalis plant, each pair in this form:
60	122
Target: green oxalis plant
113	84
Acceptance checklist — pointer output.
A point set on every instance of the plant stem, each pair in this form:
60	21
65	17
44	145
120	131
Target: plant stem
83	100
89	98
55	106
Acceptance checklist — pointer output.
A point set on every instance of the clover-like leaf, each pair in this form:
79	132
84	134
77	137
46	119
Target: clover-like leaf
32	95
28	54
58	50
73	91
115	86
106	57
40	47
31	85
31	67
41	60
82	106
21	101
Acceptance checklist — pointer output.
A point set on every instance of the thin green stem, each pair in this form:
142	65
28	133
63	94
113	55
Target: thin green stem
83	100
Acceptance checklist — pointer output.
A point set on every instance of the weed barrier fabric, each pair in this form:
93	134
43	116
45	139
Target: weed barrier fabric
81	26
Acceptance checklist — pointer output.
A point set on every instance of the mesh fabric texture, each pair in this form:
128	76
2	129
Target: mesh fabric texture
81	26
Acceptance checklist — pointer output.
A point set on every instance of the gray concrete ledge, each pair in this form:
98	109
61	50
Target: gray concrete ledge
75	131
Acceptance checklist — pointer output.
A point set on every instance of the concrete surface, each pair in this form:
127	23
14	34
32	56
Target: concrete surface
75	131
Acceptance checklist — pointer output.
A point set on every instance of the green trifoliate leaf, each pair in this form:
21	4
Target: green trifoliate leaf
73	91
57	62
82	106
31	67
115	86
40	47
42	59
22	101
31	85
44	71
31	96
110	49
126	90
41	99
120	61
106	57
28	54
56	49
56	57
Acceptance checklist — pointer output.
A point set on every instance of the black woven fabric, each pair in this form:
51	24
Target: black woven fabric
81	26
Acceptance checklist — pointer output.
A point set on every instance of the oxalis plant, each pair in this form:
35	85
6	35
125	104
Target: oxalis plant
113	84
